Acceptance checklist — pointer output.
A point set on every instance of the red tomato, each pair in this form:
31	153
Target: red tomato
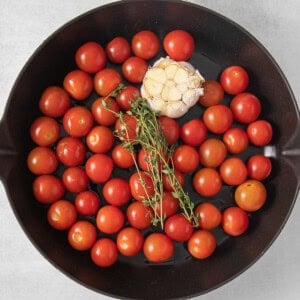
236	140
202	244
70	151
209	216
122	157
234	80
134	69
87	203
179	44
213	93
90	57
145	44
218	118
110	219
233	171
185	159
118	50
260	132
41	161
138	215
126	127
78	84
116	191
167	183
78	121
168	206
82	235
130	241
104	252
245	107
75	179
127	95
193	132
170	129
158	247
100	139
61	215
99	167
250	195
144	157
141	186
106	81
54	102
212	153
48	189
259	167
178	228
207	182
235	221
44	131
105	114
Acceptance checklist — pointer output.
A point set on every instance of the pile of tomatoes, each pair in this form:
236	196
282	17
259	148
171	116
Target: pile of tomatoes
77	156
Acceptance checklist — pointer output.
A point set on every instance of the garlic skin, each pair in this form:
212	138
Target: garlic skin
172	87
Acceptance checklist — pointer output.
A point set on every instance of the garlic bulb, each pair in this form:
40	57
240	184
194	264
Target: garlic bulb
172	87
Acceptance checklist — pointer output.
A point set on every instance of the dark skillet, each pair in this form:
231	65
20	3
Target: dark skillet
219	43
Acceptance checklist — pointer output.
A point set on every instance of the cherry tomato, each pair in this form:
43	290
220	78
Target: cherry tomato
236	140
167	183
250	195
116	191
213	93
259	167
87	203
44	131
110	219
78	121
185	159
207	182
106	81
130	241
100	139
105	115
144	157
202	244
42	161
70	151
138	215
99	167
54	102
245	107
212	152
134	69
168	206
90	57
118	50
78	84
193	132
260	132
127	95
75	179
122	157
209	216
234	80
170	129
48	188
158	247
145	44
141	186
235	221
179	44
218	118
178	228
104	252
61	215
233	171
126	127
82	235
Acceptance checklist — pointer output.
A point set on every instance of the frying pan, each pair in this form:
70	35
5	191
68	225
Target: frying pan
219	43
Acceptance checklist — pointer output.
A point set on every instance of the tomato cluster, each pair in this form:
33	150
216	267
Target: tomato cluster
77	155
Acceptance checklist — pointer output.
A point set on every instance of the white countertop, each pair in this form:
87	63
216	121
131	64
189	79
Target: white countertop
24	272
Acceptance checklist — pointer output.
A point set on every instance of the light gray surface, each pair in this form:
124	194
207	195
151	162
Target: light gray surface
24	273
